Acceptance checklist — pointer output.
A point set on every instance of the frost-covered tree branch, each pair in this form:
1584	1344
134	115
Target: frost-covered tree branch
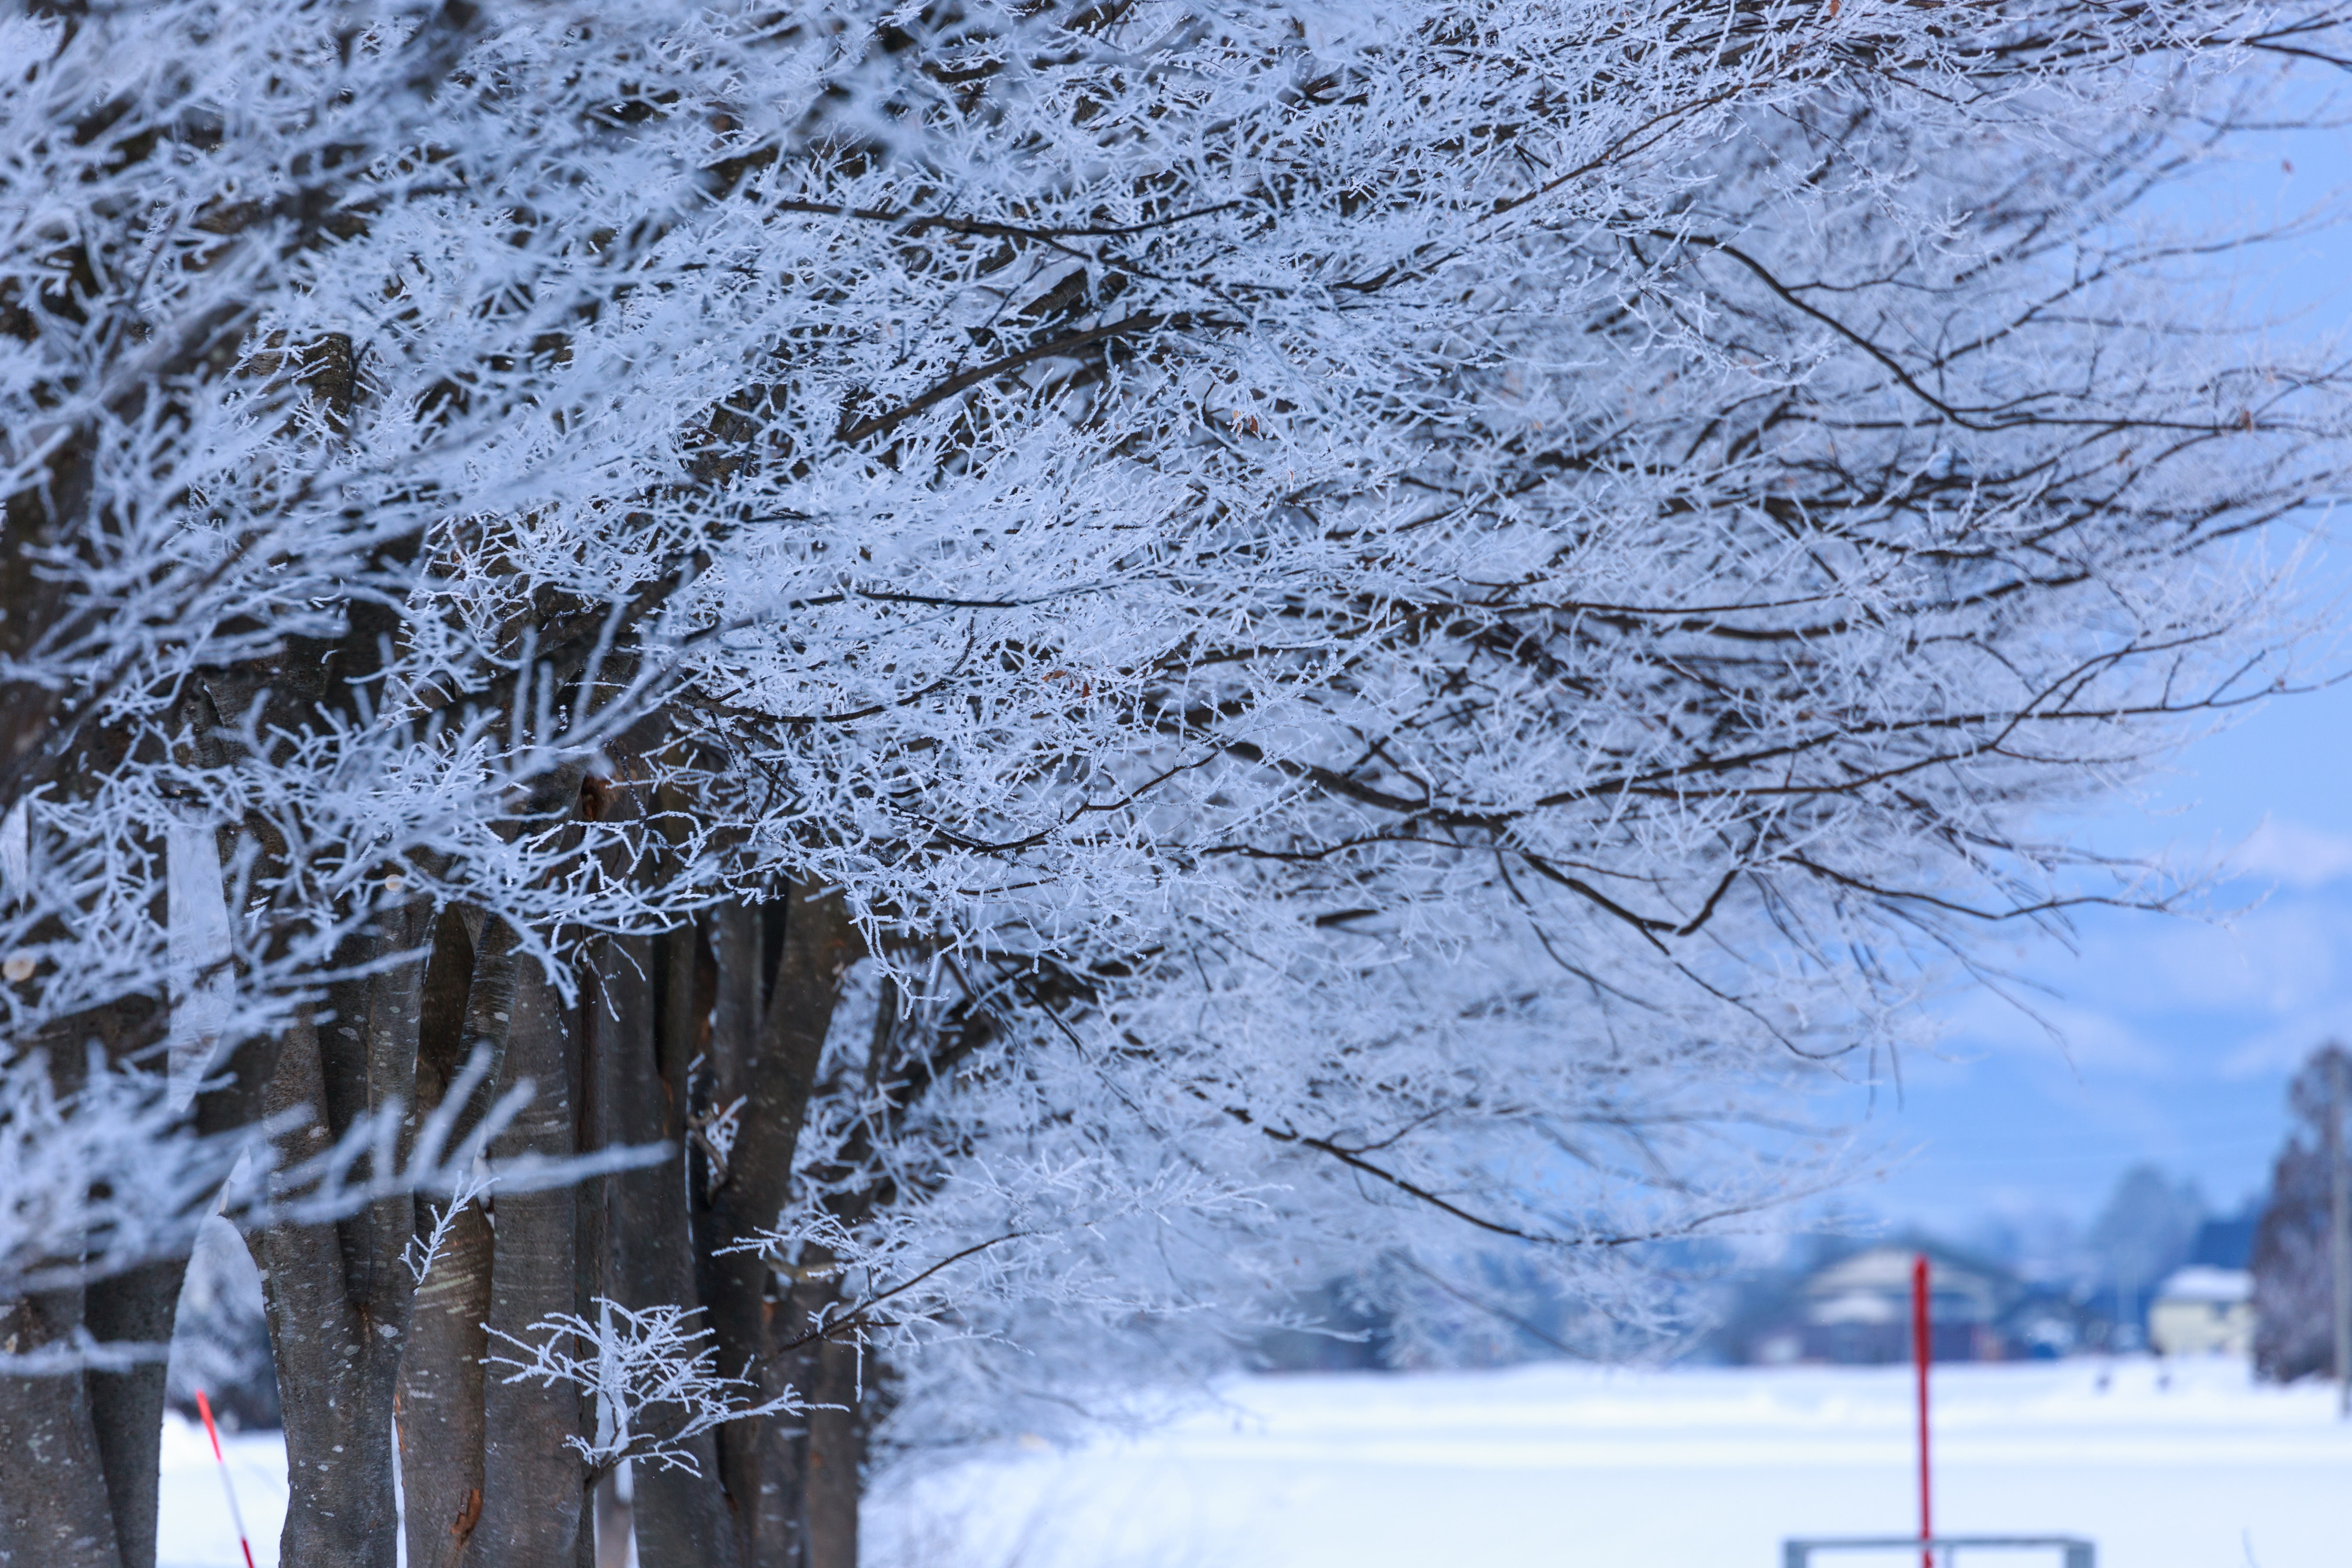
1097	662
655	1381
107	1178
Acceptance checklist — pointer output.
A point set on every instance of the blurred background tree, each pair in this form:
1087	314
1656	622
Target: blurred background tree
2293	1295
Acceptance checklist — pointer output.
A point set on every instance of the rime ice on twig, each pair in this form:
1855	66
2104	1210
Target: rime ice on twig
109	1176
424	1251
654	1380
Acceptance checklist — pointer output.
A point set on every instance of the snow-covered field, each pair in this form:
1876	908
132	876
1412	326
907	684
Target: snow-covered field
1578	1468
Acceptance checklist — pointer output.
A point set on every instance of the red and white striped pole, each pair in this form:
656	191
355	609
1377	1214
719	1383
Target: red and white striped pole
1923	1352
205	1409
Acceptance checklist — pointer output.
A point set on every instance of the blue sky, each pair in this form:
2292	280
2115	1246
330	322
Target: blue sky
2177	1036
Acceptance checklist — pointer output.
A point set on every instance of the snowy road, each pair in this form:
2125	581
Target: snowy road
1576	1467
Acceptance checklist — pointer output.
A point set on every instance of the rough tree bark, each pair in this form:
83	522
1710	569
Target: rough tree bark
127	1407
488	1478
644	1019
339	1294
766	1043
679	1518
826	1458
467	999
532	1483
837	1456
53	1510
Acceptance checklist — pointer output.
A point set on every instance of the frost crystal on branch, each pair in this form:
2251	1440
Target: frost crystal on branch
423	1250
655	1379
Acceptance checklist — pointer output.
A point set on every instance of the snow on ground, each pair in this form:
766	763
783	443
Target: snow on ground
1571	1467
193	1530
1568	1466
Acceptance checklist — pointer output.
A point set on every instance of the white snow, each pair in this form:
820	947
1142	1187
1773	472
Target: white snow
2197	1283
193	1530
1571	1467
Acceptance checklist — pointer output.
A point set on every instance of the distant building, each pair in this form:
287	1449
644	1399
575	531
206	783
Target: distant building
2203	1310
1858	1309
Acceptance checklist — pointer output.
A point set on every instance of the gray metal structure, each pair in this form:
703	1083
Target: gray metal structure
2079	1552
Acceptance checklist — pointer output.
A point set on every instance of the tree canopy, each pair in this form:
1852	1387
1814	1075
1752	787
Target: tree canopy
912	681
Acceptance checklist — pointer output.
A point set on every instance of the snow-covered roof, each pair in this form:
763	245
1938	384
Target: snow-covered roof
2201	1283
1888	1268
1857	1307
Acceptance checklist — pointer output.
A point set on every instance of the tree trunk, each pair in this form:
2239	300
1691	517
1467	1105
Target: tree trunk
78	1463
734	1287
681	1521
335	1375
106	1426
469	998
532	1484
339	1294
441	1397
766	1046
2339	1233
832	1473
127	1407
54	1508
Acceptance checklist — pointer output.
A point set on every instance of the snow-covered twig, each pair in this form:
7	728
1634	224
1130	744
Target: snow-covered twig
655	1379
422	1252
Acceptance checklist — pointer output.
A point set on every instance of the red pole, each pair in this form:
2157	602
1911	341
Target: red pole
1923	1352
205	1409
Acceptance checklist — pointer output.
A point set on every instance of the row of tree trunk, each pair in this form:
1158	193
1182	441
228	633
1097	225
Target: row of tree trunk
674	1041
